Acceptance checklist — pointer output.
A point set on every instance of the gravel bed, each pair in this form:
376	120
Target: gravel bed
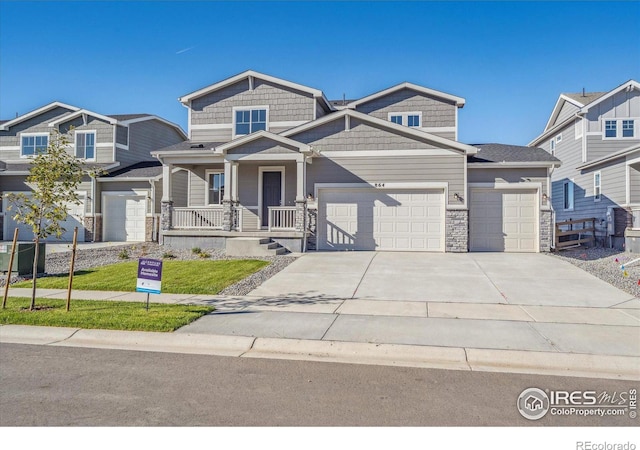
58	262
606	264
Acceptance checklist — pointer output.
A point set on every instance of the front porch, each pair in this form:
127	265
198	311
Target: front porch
253	187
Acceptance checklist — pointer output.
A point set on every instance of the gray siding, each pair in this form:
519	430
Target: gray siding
569	151
122	135
38	124
120	186
248	173
448	169
436	112
104	135
566	111
262	146
284	104
634	183
180	185
333	136
598	147
145	137
623	104
535	175
197	183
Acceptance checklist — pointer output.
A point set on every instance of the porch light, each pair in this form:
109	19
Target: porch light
457	196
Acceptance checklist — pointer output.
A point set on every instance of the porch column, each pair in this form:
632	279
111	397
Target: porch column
227	204
166	206
301	200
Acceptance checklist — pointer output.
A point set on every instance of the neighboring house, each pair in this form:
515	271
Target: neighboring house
597	138
117	206
269	158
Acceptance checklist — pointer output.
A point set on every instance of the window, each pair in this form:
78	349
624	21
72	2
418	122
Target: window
559	138
610	128
409	119
627	128
86	144
552	146
215	188
567	192
250	120
34	144
597	180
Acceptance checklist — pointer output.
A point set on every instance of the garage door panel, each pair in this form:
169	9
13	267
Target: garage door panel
503	220
385	219
124	218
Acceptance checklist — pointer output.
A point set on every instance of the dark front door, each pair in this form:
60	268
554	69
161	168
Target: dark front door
271	193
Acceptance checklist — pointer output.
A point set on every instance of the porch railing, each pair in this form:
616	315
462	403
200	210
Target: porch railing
282	218
185	218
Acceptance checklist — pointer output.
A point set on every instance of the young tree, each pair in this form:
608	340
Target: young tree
53	177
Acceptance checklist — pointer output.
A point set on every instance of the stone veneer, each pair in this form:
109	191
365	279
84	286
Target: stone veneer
165	215
88	228
148	229
457	231
546	230
301	212
312	226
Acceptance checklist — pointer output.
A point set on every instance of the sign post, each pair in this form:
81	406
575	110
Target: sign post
149	277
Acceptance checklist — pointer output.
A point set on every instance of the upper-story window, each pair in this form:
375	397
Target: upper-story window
620	128
552	146
248	121
86	144
408	119
33	144
597	186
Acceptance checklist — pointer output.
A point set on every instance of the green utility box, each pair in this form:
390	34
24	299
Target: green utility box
23	259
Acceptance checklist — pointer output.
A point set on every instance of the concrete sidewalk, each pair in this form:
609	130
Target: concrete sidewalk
575	341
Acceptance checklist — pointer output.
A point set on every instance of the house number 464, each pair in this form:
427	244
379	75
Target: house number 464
379	185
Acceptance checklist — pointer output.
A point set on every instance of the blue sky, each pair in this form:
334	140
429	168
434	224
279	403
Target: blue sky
509	60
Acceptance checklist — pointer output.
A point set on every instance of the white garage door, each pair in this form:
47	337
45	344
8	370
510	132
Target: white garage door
75	218
124	218
377	219
503	221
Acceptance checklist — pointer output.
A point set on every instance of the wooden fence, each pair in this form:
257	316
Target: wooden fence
578	235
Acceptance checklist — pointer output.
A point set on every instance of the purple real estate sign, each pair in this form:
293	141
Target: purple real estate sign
149	275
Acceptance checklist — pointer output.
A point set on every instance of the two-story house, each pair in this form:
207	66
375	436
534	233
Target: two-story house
275	160
123	203
597	137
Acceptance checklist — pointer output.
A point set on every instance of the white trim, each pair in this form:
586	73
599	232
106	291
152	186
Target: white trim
513	165
572	205
208	172
619	121
261	170
294	156
455	125
558	138
441	129
627	182
629	85
122	146
251	73
28	134
385	186
405	117
5	126
556	111
459	101
11	148
416	134
387	153
103	144
250	109
245	139
82	112
95	144
597	197
579	128
212	126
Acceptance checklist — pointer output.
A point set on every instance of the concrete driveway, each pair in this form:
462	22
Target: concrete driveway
486	278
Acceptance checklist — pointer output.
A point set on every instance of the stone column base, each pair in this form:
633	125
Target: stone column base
457	231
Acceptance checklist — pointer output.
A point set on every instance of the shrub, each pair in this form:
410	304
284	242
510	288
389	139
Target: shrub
168	255
123	254
196	250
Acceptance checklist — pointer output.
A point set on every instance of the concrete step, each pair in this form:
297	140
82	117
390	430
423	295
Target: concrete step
247	246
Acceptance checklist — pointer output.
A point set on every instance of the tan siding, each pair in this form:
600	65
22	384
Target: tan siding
535	175
634	183
217	135
180	185
104	135
262	146
248	173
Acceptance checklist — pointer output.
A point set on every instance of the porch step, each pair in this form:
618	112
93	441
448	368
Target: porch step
248	246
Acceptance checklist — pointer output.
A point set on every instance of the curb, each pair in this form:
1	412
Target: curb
449	358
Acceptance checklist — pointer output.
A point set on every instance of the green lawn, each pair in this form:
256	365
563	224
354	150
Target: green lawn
100	314
178	277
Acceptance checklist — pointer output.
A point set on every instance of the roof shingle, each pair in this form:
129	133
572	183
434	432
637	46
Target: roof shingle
497	153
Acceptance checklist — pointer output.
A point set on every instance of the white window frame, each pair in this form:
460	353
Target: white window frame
559	138
568	205
597	186
207	175
619	123
235	109
22	155
95	144
405	117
